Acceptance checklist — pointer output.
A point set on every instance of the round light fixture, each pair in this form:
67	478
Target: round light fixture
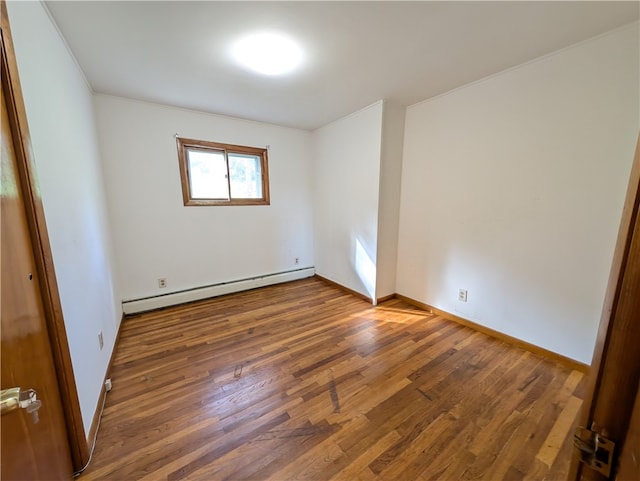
268	53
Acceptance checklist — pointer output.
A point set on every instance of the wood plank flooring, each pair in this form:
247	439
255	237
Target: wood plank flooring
302	381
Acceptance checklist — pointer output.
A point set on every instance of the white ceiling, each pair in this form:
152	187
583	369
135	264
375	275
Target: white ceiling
176	53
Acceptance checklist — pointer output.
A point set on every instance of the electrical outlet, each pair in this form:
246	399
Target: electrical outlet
462	295
162	282
297	260
100	340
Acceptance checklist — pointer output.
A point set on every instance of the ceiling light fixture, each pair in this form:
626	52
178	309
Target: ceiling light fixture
268	53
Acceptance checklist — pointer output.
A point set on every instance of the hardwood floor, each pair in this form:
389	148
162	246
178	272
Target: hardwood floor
304	381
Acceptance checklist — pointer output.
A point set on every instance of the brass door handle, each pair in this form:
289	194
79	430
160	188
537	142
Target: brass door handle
15	398
10	399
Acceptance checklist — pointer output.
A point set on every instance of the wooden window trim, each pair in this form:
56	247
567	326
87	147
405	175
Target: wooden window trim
185	144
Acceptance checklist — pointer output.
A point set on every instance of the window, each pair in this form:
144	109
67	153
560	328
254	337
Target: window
221	174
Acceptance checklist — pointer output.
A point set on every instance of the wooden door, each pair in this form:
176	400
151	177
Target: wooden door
630	456
29	450
40	243
615	371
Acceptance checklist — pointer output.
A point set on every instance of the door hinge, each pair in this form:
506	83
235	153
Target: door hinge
596	451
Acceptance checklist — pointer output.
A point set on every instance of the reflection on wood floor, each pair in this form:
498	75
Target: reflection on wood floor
304	381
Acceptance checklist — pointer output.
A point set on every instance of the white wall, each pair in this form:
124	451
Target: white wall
513	187
346	173
157	236
60	115
389	198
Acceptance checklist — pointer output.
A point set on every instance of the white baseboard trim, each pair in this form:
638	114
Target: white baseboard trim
133	306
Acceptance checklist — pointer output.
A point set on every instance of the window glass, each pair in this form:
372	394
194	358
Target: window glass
244	172
208	175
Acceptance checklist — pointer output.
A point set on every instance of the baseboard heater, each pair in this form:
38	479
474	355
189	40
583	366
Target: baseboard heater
132	306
